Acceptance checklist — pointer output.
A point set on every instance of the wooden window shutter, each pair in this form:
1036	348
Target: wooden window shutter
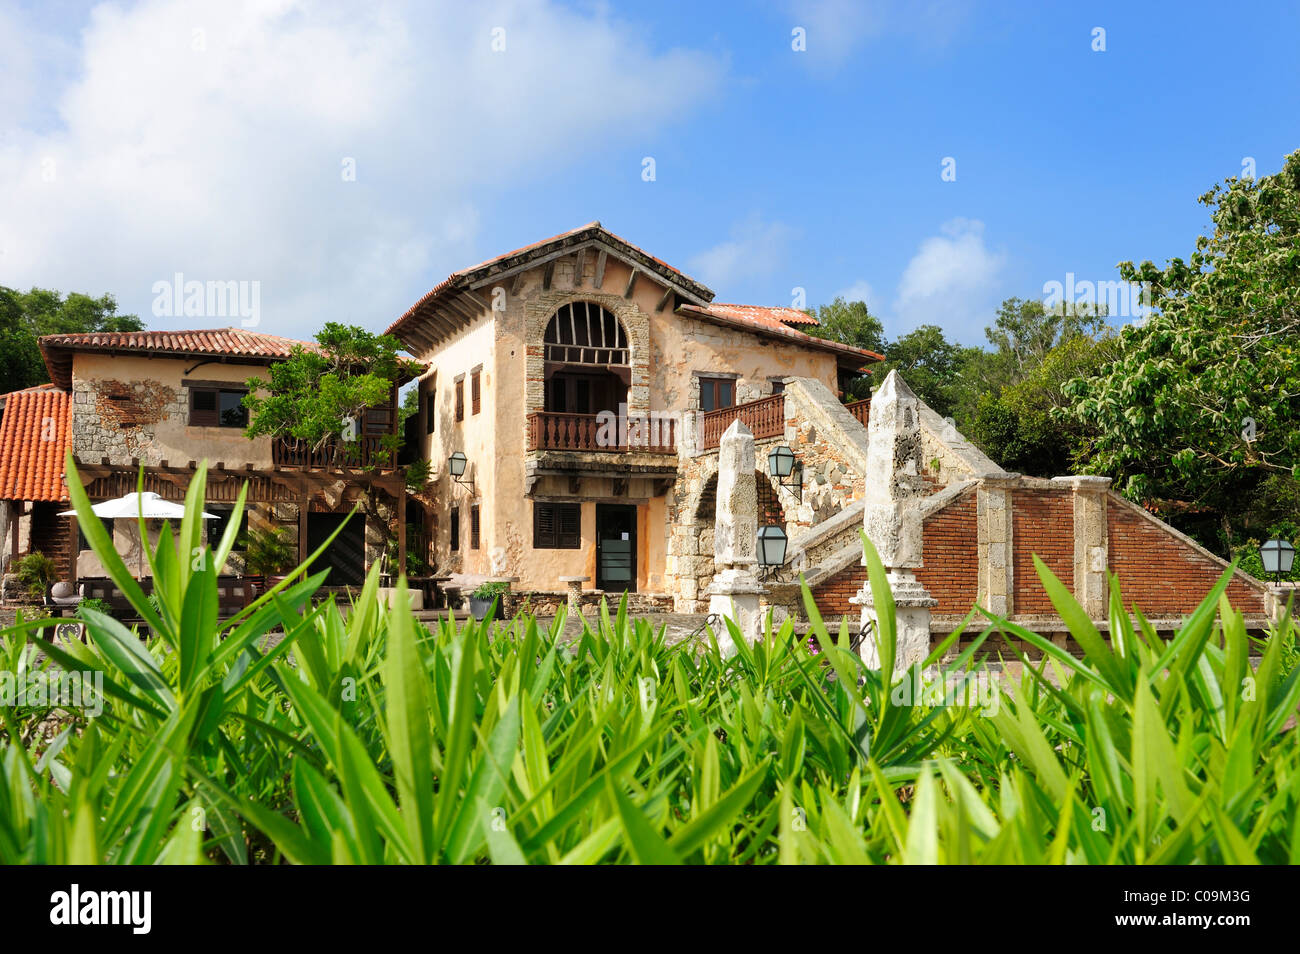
473	527
455	528
475	392
431	406
460	400
543	526
568	531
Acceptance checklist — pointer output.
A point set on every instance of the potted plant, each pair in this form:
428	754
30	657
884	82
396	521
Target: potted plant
35	572
270	554
481	600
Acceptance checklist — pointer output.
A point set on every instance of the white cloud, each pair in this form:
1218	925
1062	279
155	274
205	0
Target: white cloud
836	28
860	291
756	248
950	281
208	138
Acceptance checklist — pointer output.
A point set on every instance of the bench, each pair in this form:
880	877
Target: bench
233	594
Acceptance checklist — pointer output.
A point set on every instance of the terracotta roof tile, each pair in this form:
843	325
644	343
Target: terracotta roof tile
771	315
761	320
35	434
234	342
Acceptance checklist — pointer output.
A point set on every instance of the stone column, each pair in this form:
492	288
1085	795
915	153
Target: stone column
574	585
994	544
735	590
892	521
1091	542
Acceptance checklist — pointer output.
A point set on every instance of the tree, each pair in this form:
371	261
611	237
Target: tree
319	396
850	323
26	316
1201	403
933	366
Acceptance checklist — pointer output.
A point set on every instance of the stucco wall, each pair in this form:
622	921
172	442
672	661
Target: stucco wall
151	420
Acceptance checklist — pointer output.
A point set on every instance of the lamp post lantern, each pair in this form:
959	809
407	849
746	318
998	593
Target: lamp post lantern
771	546
1278	556
782	465
456	464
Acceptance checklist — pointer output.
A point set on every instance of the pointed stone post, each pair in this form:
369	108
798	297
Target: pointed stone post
892	520
735	590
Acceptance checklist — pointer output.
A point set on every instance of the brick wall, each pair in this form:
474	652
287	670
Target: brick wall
1162	575
950	572
1042	523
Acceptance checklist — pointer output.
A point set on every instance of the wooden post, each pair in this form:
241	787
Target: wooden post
74	544
401	530
303	505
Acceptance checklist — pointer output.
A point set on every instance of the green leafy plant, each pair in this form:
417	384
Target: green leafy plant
92	606
372	739
36	571
271	550
490	590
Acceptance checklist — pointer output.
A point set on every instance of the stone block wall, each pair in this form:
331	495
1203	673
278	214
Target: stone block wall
118	419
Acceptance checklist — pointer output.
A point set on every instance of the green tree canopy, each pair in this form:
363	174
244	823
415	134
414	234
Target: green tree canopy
320	396
26	316
1203	402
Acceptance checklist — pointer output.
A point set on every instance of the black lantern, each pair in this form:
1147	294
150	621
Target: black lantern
456	465
782	465
771	546
1278	556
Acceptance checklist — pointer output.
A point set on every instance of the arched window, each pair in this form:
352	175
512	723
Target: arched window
583	333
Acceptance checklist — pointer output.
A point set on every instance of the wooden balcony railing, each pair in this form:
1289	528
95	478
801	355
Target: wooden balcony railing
860	409
365	452
551	430
765	417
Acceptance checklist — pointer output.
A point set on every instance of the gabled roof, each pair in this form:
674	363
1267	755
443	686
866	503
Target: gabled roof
35	434
759	320
249	347
454	302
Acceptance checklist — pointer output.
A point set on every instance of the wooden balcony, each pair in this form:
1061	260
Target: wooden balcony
368	451
552	431
765	417
860	409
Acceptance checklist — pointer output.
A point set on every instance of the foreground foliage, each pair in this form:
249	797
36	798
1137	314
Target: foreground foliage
373	739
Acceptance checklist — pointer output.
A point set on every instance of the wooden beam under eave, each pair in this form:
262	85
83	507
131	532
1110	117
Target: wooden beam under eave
600	269
631	282
517	284
461	311
476	298
578	267
472	307
668	293
547	273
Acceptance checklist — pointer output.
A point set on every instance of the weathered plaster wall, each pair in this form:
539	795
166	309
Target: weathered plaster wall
134	407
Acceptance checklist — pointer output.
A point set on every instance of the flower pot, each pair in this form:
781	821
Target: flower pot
479	607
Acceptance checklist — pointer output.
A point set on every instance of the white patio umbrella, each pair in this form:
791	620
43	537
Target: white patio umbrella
133	506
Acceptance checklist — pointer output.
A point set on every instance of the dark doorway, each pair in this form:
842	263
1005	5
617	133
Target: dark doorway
568	392
346	556
615	548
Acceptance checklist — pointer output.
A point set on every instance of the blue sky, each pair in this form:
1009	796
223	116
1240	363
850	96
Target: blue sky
143	140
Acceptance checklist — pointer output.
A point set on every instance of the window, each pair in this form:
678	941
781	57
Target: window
473	527
557	526
217	407
216	528
431	405
474	391
778	387
583	333
460	399
82	542
455	529
716	393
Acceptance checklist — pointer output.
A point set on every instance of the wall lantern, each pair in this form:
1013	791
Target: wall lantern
771	546
456	465
1278	557
789	472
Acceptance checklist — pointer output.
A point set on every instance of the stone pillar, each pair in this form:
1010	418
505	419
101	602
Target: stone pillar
574	585
735	590
994	545
1091	542
892	520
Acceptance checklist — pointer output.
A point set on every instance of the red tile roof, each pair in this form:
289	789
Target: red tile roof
35	434
763	321
220	342
764	314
